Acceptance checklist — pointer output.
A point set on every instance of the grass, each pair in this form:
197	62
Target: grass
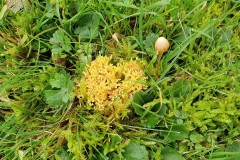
190	111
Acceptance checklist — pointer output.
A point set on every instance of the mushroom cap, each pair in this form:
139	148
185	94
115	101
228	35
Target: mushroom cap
161	45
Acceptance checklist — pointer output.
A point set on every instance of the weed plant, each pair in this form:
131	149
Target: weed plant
190	110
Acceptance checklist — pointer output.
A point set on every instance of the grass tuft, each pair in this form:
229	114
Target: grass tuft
189	110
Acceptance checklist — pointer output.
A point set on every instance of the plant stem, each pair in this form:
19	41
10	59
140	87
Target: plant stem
158	63
140	23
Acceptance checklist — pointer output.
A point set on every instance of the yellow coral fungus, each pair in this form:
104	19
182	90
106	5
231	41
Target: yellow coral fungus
109	88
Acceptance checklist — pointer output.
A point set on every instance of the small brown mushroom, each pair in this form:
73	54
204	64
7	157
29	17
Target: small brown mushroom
161	45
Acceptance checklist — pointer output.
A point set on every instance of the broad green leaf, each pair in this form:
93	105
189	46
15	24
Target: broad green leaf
176	132
61	154
234	147
148	108
55	97
196	138
230	152
149	43
180	114
180	89
139	100
60	42
171	154
88	28
115	139
113	142
61	89
135	151
58	81
151	120
100	157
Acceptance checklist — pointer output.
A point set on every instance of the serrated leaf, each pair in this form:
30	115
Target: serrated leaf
58	81
171	154
60	92
135	151
55	97
60	42
57	50
196	138
149	43
88	27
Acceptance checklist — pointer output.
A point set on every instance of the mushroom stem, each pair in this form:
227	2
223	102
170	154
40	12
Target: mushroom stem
159	63
161	46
